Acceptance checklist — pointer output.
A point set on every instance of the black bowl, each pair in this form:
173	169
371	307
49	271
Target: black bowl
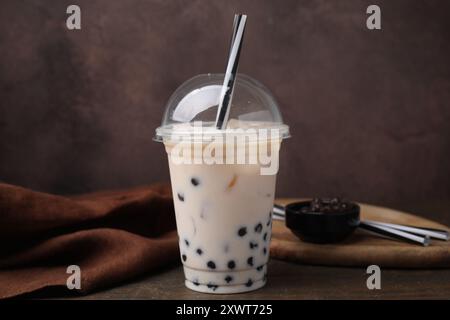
320	227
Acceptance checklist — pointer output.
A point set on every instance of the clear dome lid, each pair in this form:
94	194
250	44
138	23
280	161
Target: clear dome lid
194	104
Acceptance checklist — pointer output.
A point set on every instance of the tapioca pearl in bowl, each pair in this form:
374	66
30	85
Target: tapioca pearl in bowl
180	196
258	228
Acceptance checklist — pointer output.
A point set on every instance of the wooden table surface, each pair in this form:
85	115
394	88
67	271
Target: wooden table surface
295	281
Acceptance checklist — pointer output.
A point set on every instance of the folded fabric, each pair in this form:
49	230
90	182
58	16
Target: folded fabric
112	236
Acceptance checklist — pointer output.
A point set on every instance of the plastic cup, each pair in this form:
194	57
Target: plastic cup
223	182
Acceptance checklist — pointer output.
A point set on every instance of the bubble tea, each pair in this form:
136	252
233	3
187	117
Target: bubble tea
223	182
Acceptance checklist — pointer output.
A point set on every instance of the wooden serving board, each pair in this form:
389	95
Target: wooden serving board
363	248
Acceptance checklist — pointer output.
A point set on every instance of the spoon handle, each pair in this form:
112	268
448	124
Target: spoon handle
396	234
278	212
432	233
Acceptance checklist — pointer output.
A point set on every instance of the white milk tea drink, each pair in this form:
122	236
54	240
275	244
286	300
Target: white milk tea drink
223	182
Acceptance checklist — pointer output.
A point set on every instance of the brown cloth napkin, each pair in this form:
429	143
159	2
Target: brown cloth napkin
112	236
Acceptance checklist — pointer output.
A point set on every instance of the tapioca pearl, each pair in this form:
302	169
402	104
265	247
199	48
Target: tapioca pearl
196	283
258	228
184	257
270	219
242	231
231	264
195	181
211	264
186	241
199	251
253	245
228	279
250	261
180	196
265	236
260	268
212	286
249	283
264	250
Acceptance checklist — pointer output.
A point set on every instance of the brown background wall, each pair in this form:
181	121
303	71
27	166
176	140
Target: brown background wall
369	110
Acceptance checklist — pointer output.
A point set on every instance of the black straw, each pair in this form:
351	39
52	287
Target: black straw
230	73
